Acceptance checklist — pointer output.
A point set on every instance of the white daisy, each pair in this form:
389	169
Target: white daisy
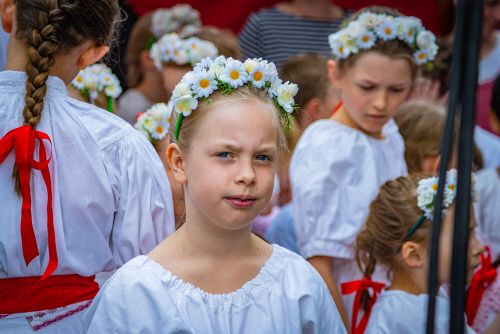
285	93
159	112
160	130
203	64
113	91
258	76
79	81
386	31
234	73
185	105
425	39
182	89
366	40
204	83
421	57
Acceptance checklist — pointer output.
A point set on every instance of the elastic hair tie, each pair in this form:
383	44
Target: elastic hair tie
415	227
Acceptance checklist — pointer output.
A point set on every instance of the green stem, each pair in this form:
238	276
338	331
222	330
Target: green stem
110	104
178	125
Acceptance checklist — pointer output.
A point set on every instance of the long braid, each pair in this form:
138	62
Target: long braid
42	44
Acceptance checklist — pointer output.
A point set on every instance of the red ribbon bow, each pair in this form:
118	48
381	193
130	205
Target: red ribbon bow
22	140
359	287
480	281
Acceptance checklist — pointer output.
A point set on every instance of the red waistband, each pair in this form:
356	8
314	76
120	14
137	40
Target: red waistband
30	294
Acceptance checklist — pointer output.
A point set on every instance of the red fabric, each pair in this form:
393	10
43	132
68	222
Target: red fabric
22	140
480	281
226	14
31	294
359	287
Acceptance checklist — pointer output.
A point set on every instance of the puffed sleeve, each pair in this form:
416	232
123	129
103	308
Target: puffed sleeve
143	199
133	300
329	190
250	39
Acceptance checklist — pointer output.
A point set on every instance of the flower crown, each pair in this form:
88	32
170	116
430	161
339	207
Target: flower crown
173	49
154	123
95	79
181	18
427	192
226	75
363	33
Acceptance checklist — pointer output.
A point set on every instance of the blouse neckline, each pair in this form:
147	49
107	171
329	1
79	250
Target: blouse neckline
13	82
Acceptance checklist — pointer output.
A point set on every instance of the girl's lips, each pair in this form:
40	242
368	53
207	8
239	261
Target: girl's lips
241	202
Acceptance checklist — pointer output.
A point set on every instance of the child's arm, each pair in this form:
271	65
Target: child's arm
323	264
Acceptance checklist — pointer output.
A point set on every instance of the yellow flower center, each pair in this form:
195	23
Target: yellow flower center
341	49
435	187
204	83
451	187
365	39
421	56
234	75
159	129
193	46
257	76
79	79
388	31
168	119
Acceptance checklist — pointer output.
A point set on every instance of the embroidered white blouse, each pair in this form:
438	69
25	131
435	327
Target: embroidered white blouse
111	196
336	172
287	296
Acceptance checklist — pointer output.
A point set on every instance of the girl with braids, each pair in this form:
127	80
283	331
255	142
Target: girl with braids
396	235
339	164
213	275
81	191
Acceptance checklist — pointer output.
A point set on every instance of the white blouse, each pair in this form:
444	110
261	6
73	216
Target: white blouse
488	209
396	311
111	196
287	296
336	172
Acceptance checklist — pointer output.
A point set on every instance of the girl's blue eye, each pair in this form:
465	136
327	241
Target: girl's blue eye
262	157
224	155
367	88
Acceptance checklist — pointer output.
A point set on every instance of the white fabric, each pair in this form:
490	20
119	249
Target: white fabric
336	171
489	145
131	103
489	66
111	196
397	311
287	296
487	208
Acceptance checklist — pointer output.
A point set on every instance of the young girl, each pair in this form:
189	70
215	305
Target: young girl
72	209
396	234
339	164
143	78
213	275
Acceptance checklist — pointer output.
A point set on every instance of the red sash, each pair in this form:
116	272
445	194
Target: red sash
22	140
30	294
359	287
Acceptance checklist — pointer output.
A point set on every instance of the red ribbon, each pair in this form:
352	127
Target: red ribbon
480	281
359	287
22	140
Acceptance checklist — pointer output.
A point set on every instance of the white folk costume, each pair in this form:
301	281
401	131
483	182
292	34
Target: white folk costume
397	311
336	172
110	201
287	296
488	210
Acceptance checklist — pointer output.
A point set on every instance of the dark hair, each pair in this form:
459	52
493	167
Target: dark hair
440	69
495	97
52	27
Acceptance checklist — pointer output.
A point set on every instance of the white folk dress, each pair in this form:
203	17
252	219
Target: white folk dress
336	172
111	196
287	296
396	311
487	209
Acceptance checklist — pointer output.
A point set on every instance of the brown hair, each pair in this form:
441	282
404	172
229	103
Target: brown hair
393	48
224	40
137	42
190	124
392	213
421	125
52	27
310	73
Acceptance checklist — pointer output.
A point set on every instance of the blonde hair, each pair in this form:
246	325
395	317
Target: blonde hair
421	125
190	124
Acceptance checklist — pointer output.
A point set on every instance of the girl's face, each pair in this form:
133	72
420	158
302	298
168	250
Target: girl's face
373	89
446	245
231	165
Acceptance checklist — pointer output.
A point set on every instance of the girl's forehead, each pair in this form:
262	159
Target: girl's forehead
374	65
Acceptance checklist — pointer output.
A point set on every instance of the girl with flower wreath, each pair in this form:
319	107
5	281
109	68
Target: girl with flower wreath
339	164
81	191
396	234
213	275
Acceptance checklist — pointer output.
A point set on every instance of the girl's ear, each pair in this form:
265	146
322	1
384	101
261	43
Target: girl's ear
146	60
334	74
91	54
7	10
176	163
413	254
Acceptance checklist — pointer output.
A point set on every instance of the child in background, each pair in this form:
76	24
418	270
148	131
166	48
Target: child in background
213	275
72	209
316	100
340	163
97	85
144	79
396	235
